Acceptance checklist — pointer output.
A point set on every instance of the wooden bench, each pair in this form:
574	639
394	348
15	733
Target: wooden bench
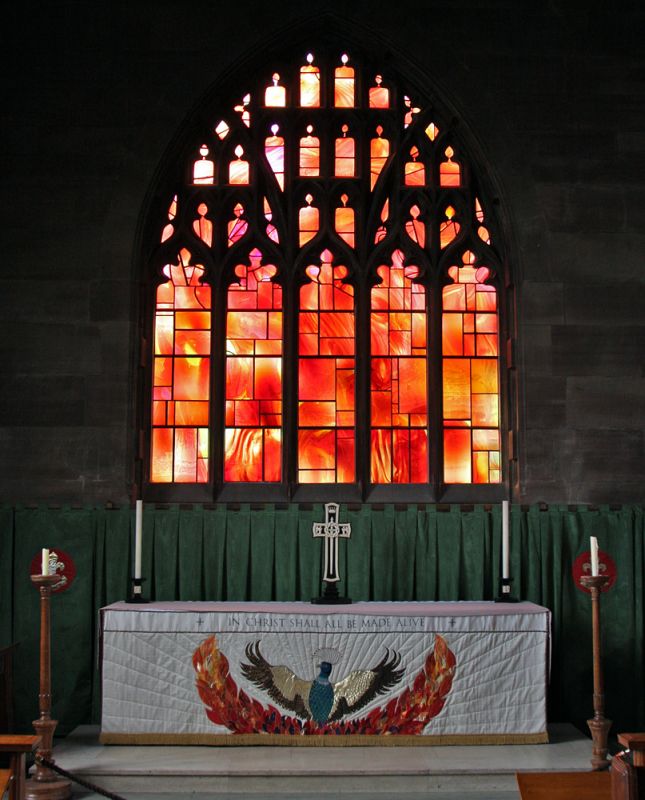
17	747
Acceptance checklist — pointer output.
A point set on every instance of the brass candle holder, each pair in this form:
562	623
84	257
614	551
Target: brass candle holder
45	783
598	725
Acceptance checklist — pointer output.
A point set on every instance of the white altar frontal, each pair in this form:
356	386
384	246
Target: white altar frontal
295	673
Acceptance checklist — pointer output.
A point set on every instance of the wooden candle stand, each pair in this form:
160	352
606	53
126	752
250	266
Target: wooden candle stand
45	783
598	725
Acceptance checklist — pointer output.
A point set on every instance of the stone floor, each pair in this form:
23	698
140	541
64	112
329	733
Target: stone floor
309	773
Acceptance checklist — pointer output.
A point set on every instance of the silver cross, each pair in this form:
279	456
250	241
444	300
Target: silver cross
331	531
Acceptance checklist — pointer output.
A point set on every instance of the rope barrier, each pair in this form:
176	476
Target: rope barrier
93	787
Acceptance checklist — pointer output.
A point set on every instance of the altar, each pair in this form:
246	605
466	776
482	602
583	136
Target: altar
296	673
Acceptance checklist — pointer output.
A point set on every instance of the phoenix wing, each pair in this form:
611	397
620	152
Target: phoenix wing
360	687
279	682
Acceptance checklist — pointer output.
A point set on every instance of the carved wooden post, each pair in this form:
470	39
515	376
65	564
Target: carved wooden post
45	783
599	726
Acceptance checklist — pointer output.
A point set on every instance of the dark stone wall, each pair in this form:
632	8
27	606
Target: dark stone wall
94	94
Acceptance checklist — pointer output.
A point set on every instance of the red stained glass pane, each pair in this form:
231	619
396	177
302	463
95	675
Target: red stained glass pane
316	449
379	96
317	379
452	334
308	222
311	414
379	152
486	344
400	453
381	461
274	151
192	413
457	456
418	455
243	454
272	454
344	224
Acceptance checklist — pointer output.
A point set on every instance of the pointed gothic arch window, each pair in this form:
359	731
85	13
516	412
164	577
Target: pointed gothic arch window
326	298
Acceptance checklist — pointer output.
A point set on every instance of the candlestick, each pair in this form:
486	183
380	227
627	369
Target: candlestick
45	784
594	556
598	725
138	535
45	561
506	560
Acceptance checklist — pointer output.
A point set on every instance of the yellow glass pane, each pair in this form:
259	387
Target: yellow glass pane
484	375
485	410
456	388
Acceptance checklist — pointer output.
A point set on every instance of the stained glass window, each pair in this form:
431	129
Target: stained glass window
326	294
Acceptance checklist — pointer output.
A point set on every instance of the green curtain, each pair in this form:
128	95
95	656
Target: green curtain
268	553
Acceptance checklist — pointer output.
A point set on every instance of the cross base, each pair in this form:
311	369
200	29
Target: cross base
331	597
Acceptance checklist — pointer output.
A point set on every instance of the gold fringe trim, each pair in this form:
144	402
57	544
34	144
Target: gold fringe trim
349	740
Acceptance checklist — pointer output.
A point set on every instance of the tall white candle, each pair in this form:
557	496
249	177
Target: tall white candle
45	561
138	535
594	555
506	555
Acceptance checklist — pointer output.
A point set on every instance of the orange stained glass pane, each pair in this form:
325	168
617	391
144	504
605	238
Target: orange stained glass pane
243	454
274	151
415	174
163	371
381	407
379	96
164	330
456	456
192	343
316	449
452	334
316	413
239	378
381	374
486	323
309	155
419	333
345	458
185	455
484	375
456	388
345	156
202	226
192	320
485	439
308	221
412	386
159	412
238	170
345	387
418	455
272	454
380	334
310	84
480	468
275	95
246	413
204	168
401	455
449	170
344	224
337	324
381	456
191	378
316	379
400	343
379	152
486	300
268	378
246	325
454	297
486	344
485	410
416	230
344	85
162	453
